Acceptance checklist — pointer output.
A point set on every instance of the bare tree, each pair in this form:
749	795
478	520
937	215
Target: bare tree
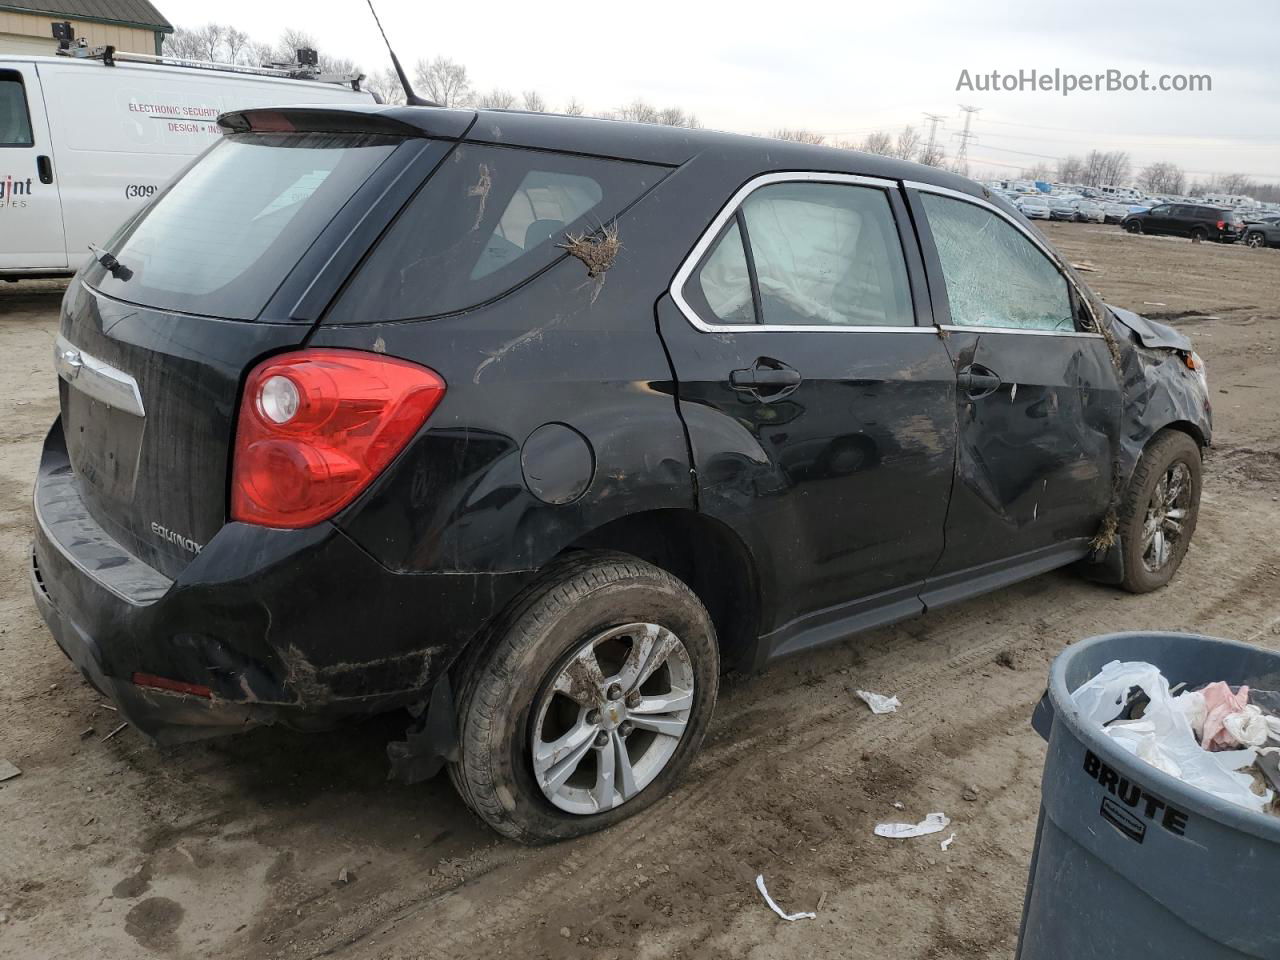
496	99
932	155
880	142
184	43
1039	171
1162	177
236	45
677	117
639	111
908	143
443	80
1237	183
574	108
1071	169
535	102
799	135
386	85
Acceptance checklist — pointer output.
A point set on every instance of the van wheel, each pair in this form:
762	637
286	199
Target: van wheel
1198	234
1159	512
589	702
1133	226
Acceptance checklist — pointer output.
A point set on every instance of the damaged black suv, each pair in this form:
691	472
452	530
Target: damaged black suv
533	425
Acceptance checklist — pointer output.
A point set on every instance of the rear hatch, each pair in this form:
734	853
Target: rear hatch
152	353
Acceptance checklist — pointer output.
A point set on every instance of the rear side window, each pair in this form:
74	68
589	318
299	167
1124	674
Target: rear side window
221	239
15	121
817	254
995	276
486	221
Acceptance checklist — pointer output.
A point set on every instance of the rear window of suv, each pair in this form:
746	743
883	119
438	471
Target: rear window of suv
221	239
488	220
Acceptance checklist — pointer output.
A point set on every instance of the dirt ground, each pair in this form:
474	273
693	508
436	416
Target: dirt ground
234	849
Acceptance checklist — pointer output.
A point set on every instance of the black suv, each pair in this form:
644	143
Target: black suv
1188	220
533	425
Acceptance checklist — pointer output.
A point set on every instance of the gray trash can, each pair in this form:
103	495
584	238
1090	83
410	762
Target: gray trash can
1130	862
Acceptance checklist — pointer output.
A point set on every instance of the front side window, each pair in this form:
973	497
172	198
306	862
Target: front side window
15	121
820	254
995	276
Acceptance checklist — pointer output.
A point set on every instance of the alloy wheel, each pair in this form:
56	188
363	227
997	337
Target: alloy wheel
1167	511
612	718
1254	240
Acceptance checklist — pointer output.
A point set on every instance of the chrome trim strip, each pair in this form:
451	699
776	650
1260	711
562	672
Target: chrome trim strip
730	209
96	378
949	327
1037	240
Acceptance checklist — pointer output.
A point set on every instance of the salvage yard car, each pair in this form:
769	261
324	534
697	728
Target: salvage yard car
1192	220
535	424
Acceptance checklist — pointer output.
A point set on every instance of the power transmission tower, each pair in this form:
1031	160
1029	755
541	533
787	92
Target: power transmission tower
931	151
962	155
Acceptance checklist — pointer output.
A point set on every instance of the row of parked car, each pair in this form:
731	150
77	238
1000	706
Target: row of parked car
1197	221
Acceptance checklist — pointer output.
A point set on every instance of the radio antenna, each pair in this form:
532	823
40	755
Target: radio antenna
410	97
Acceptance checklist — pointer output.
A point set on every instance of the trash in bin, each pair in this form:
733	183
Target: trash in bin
1206	738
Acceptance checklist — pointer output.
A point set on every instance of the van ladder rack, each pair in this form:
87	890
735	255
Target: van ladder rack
110	57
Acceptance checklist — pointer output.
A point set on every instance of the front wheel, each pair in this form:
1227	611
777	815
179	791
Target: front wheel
1159	512
1133	226
589	703
1255	239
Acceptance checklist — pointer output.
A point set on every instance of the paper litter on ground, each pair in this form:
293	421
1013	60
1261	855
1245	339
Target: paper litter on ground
878	702
947	842
933	823
777	909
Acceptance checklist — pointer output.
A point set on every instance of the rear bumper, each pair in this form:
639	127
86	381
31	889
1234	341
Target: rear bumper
300	627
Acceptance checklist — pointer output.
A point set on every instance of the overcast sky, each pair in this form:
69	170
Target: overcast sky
845	69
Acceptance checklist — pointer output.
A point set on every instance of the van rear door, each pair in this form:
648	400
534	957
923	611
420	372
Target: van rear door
31	233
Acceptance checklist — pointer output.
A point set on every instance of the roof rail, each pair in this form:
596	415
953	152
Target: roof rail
110	57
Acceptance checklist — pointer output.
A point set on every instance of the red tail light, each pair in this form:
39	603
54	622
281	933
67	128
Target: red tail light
317	426
1222	224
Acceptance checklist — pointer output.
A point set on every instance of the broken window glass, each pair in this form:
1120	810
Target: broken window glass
995	276
827	254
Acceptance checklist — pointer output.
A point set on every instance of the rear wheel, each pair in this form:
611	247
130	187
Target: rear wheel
590	702
1198	234
1159	513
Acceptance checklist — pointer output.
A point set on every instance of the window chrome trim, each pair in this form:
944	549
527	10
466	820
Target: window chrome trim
1039	243
96	378
730	210
978	328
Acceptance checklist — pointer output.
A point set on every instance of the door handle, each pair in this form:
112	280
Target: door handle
978	381
44	168
767	380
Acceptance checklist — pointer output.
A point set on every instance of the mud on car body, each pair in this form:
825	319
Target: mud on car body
533	425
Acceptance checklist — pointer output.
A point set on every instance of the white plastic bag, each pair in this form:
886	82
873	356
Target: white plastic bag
1163	736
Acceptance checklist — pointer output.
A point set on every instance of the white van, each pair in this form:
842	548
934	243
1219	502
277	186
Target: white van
84	144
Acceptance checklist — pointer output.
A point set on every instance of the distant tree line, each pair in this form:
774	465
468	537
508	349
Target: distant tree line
1099	169
909	144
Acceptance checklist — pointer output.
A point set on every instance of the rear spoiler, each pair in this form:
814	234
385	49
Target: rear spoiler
430	122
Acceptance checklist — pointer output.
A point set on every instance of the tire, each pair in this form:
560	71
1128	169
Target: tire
1199	234
508	697
1133	226
1170	452
1255	239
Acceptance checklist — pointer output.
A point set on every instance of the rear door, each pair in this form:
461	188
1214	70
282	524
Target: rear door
31	236
1038	401
819	403
1160	219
